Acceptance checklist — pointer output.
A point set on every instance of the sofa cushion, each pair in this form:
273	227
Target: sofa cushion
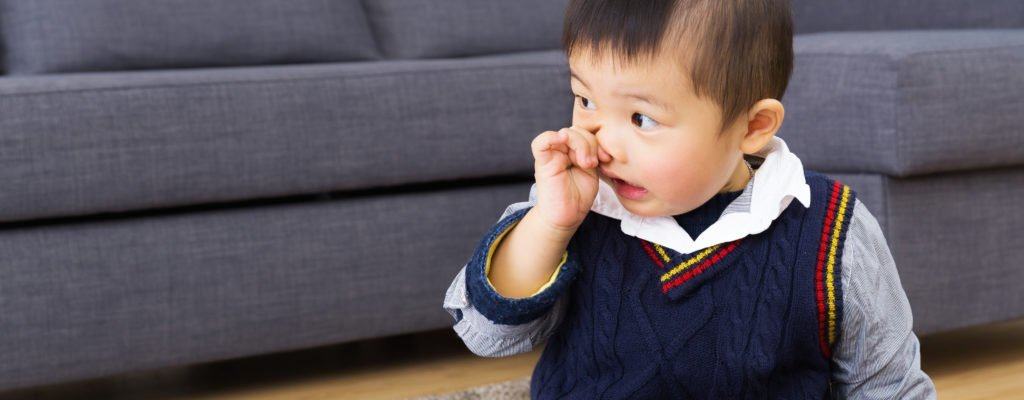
111	296
428	28
953	239
44	36
82	143
869	15
905	103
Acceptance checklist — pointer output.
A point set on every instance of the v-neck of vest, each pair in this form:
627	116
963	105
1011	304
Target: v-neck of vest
680	274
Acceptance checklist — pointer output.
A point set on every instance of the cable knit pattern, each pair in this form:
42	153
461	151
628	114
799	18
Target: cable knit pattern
746	324
606	286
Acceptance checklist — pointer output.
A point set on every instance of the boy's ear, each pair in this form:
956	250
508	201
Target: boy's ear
763	120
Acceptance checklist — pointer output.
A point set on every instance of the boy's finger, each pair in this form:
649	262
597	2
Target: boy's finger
576	145
591	140
547	141
580	149
543	141
599	152
586	134
603	155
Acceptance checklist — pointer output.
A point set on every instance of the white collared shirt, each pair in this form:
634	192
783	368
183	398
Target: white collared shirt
778	180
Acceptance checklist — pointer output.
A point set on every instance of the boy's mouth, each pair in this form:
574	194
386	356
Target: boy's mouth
624	183
625	188
616	179
628	190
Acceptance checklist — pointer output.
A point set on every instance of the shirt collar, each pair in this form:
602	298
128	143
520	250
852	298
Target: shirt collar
775	184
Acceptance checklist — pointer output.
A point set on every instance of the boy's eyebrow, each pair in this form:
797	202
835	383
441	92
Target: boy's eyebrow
573	74
636	95
646	99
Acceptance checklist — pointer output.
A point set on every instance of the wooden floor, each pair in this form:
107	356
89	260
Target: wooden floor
977	363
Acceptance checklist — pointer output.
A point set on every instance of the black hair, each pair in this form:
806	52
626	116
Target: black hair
736	51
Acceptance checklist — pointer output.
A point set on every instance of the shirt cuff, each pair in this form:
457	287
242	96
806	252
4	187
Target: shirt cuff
506	310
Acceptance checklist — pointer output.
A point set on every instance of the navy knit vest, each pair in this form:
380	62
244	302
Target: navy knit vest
755	318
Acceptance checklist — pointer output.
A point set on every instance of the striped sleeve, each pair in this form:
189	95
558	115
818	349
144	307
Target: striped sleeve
489	339
878	355
499	330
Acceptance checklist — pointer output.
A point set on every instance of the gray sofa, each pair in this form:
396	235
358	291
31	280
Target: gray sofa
186	181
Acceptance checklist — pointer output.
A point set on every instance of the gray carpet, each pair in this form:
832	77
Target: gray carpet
511	390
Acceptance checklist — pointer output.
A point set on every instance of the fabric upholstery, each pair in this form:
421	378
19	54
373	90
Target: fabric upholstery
76	144
869	15
455	28
46	36
106	296
907	103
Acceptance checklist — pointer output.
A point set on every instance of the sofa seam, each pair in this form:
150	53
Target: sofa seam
897	112
373	31
286	79
909	55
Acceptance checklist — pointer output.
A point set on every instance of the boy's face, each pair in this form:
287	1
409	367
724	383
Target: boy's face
654	132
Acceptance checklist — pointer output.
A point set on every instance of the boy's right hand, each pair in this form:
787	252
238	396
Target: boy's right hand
565	168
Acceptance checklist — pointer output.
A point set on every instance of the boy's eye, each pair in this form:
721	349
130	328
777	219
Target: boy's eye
640	119
585	102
